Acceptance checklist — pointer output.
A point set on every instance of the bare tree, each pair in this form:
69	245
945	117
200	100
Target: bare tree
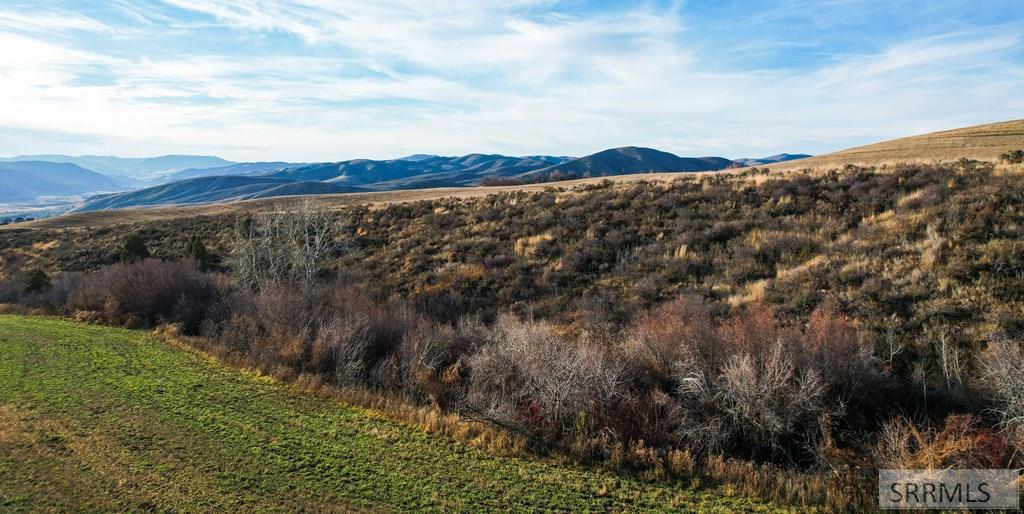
291	244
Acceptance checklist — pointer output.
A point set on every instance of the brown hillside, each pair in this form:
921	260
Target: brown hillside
982	142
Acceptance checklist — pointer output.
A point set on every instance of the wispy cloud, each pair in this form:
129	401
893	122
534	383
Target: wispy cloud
50	22
323	79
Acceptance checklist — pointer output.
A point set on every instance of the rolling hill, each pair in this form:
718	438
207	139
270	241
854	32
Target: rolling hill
211	189
244	169
420	170
982	142
250	180
626	161
28	180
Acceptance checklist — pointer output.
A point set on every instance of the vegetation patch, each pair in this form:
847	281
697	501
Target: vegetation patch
96	418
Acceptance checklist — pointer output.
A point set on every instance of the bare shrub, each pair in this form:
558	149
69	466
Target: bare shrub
961	442
1003	374
434	358
55	297
529	377
334	333
677	331
831	343
146	292
767	397
751	385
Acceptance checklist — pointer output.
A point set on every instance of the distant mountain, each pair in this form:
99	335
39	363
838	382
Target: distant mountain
140	168
625	161
418	157
259	180
428	171
209	190
27	180
245	169
761	161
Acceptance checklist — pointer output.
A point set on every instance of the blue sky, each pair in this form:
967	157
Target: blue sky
315	80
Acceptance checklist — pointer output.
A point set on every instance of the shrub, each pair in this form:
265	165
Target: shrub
529	377
1013	156
197	252
748	384
37	281
147	292
1003	374
677	331
134	249
961	442
334	332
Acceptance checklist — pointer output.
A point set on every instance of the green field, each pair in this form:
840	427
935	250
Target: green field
98	419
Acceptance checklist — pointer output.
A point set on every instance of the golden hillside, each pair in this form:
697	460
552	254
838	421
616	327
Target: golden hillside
982	142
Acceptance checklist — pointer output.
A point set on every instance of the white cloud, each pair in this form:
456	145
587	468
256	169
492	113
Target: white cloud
456	77
50	21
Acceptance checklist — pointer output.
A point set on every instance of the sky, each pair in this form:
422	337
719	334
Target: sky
327	80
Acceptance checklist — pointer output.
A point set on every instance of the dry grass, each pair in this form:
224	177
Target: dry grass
96	219
982	142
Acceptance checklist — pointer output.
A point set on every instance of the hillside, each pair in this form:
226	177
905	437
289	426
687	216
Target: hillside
419	171
103	419
210	190
27	180
131	215
626	161
240	169
772	159
983	142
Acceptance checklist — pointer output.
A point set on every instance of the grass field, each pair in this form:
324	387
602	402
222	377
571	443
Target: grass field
100	419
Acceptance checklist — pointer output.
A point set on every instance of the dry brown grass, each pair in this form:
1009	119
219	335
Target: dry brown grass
146	214
982	142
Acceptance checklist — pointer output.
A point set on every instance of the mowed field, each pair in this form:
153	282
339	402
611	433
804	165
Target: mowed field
102	419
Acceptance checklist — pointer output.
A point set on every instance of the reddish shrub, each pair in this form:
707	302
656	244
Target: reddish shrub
147	292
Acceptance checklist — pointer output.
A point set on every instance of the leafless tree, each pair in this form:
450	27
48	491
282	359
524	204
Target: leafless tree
291	244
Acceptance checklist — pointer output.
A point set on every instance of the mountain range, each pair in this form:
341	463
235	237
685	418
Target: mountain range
625	161
420	171
252	180
185	179
244	169
210	189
